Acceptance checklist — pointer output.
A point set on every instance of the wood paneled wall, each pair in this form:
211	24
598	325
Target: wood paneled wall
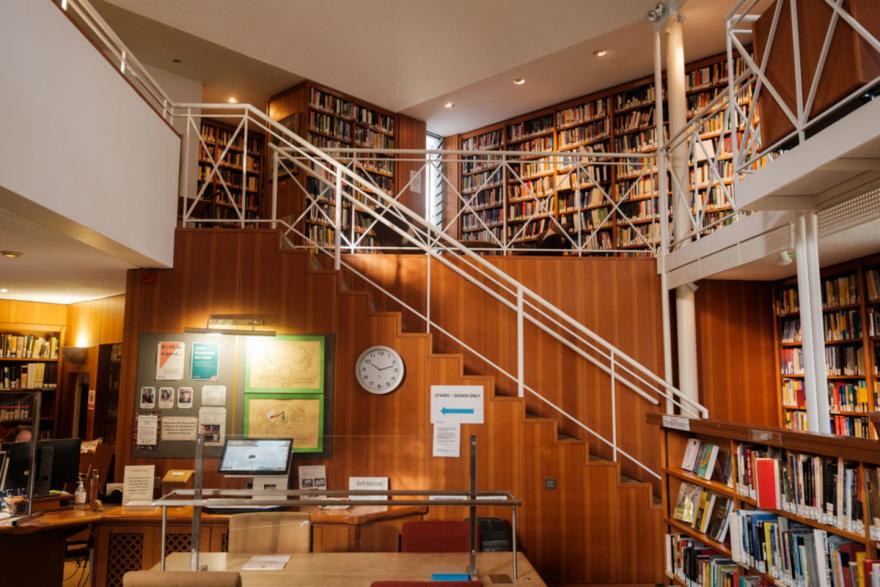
736	352
411	134
39	313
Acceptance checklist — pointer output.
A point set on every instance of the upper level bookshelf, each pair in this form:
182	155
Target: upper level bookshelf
849	308
30	360
229	180
768	505
615	206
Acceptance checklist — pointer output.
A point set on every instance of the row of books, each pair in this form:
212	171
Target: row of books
478	181
796	420
323	142
845	360
848	397
532	188
636	97
583	134
29	376
704	510
710	74
641	210
825	489
642	186
374	120
331	103
485	235
786	301
711	197
635	119
791	361
647	234
15	412
699	565
28	346
336	127
872	278
490	197
842	324
527	128
367	137
873	321
795	554
582	113
636	142
854	426
840	291
489	141
488	217
220	137
707	460
791	330
708	172
539	144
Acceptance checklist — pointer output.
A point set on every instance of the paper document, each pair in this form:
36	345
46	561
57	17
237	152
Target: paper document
266	562
447	439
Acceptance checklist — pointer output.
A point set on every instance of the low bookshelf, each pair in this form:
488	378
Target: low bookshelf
767	506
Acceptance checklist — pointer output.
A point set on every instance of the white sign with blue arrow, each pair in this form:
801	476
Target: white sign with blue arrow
457	403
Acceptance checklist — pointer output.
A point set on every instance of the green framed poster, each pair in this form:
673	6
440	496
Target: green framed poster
281	415
287	364
205	361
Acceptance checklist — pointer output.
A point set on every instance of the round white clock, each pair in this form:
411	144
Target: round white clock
379	369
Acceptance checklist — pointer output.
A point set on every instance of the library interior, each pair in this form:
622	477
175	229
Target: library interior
487	292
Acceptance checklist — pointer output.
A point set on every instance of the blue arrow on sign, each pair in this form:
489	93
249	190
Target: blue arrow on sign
445	411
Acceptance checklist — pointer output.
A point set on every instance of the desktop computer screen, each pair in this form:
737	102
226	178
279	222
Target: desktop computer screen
57	465
256	456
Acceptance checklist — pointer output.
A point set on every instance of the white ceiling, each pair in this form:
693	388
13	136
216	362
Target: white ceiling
410	55
55	267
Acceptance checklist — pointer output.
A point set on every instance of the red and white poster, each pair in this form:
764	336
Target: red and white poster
170	359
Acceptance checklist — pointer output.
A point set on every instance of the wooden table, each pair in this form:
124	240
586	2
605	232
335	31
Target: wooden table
356	569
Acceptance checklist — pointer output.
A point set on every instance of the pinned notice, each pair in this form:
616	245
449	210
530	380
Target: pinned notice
447	439
457	403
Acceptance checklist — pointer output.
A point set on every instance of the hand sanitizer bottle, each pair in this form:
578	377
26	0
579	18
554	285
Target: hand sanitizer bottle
79	496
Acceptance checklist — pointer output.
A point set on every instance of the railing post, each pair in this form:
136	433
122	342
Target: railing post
244	163
613	406
428	291
337	224
184	182
520	354
274	188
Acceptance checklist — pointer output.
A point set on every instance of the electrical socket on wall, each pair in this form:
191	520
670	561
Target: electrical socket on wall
549	483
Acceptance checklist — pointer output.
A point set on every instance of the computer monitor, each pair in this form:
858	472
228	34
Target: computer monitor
256	456
57	465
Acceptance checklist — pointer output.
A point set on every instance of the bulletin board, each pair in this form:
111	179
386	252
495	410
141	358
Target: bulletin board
188	383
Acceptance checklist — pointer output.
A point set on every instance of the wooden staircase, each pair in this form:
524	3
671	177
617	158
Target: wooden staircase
582	520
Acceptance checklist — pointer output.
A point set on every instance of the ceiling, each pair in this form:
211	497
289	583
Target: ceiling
55	268
410	56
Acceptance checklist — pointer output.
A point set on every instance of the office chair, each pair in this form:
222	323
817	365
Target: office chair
181	579
437	536
269	533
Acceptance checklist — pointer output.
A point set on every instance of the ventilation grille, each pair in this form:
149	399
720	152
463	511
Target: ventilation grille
850	213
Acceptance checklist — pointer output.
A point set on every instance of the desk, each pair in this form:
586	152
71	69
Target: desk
359	569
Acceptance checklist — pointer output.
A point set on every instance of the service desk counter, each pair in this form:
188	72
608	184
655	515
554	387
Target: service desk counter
130	539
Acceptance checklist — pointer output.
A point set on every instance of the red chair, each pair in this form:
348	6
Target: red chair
426	584
437	536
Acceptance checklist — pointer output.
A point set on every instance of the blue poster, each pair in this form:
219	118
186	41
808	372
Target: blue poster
205	361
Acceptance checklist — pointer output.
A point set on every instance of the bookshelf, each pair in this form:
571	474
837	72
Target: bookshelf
850	349
233	172
619	119
819	492
482	186
30	360
531	197
330	119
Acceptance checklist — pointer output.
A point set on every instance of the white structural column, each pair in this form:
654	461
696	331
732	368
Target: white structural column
812	328
685	300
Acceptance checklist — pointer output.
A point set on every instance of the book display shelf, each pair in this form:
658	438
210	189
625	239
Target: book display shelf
30	360
617	120
234	172
767	506
850	299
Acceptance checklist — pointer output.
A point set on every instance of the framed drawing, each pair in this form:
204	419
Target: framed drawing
279	415
284	364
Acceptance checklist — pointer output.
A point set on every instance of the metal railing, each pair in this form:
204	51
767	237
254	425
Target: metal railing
351	189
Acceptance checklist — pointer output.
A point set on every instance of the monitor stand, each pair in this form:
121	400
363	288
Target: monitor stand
274	486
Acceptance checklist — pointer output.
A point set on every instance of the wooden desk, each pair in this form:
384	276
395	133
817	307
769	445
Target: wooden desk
359	569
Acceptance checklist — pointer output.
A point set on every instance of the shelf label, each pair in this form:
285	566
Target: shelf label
764	436
677	423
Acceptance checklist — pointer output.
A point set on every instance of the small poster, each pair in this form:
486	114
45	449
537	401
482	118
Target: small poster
147	430
205	361
213	395
185	398
170	361
179	428
312	477
447	439
166	398
212	424
148	398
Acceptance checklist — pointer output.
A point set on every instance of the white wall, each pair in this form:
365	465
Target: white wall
183	90
78	141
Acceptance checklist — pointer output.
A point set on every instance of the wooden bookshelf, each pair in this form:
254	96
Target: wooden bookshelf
742	444
234	172
619	119
23	368
850	349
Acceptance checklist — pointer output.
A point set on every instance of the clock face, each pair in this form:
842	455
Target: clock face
379	370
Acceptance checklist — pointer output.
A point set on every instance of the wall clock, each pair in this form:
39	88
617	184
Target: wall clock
379	369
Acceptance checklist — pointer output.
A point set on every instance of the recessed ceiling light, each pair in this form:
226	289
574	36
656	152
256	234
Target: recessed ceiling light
519	81
449	105
600	52
11	254
176	60
3	290
232	100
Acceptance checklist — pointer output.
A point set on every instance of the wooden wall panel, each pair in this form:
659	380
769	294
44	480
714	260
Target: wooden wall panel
16	312
736	352
411	134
